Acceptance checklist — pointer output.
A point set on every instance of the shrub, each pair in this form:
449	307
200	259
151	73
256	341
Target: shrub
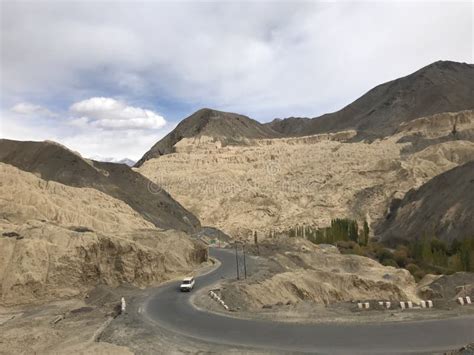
401	256
419	275
383	254
389	262
413	268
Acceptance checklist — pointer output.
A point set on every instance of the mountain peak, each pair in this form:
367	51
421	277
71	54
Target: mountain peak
442	86
227	127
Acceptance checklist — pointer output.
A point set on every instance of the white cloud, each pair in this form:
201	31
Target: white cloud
86	139
265	59
117	144
25	108
108	113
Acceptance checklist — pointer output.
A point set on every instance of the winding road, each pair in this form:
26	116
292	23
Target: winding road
173	310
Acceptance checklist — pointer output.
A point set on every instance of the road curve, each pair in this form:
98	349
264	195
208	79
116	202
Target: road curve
172	310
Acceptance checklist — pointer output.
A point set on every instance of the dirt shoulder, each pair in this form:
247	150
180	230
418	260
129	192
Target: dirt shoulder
71	326
91	325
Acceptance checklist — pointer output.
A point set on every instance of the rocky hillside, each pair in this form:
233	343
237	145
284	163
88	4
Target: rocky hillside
211	126
300	271
442	207
276	184
59	241
53	162
439	87
351	163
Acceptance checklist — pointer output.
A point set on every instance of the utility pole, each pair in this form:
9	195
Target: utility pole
237	262
245	263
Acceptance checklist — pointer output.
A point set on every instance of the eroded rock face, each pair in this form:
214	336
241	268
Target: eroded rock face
52	162
323	276
276	184
58	241
321	287
50	262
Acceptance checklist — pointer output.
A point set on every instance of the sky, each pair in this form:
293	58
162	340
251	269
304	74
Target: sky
109	79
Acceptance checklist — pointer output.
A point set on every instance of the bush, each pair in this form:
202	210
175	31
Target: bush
349	244
389	262
419	275
383	254
401	256
413	268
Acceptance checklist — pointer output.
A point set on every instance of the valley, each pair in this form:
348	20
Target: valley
372	203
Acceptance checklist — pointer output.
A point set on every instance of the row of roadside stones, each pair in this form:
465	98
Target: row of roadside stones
219	300
403	305
464	300
410	305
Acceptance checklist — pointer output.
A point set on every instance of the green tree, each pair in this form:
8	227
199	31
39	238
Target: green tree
455	247
426	252
354	231
465	255
365	234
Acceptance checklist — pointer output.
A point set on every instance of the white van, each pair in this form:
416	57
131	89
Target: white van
187	284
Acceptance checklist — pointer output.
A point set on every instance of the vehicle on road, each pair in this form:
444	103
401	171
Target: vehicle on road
187	284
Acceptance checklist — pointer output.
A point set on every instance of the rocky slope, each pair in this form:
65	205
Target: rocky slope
58	241
217	127
276	184
320	275
441	207
443	86
53	162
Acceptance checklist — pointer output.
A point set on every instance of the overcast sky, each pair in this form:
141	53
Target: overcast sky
110	79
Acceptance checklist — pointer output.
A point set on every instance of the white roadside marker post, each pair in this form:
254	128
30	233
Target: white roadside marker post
123	305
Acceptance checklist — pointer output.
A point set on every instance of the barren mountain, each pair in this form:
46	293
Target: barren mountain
314	170
439	87
227	128
52	161
442	207
59	241
276	184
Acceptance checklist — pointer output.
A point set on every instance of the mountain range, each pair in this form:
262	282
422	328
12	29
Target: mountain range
421	114
125	161
427	114
443	86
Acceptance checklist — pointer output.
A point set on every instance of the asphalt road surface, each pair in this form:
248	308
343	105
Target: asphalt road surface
172	309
